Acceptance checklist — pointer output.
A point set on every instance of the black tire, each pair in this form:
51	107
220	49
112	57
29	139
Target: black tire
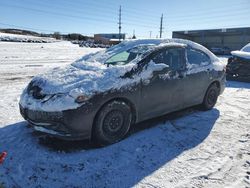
112	123
211	97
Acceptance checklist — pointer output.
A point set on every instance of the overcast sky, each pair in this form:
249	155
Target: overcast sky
143	16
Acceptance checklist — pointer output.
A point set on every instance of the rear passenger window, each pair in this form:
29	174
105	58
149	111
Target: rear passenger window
196	57
173	57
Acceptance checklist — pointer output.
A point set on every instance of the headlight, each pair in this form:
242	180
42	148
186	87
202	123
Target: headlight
81	99
79	95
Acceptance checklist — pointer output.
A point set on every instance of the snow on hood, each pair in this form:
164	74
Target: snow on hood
91	77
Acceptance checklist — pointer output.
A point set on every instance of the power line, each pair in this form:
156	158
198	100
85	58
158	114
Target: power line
136	19
56	13
129	20
40	30
80	11
89	19
23	27
129	23
161	26
66	32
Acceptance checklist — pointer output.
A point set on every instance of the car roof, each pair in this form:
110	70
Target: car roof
125	45
128	44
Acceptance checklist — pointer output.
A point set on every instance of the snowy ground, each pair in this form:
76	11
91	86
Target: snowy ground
19	62
24	38
189	148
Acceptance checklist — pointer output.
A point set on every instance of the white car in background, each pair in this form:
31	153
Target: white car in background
238	67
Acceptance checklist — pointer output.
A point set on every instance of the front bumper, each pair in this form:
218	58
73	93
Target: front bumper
70	124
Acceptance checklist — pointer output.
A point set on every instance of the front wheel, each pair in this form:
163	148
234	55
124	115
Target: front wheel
211	97
112	123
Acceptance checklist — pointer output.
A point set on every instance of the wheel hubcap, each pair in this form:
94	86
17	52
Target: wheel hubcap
212	96
113	122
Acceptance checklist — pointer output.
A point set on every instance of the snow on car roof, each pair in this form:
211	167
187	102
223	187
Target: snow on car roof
128	44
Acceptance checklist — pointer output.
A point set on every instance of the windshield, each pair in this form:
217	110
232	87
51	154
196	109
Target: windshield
127	56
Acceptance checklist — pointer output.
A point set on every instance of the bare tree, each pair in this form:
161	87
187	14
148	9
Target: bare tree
57	35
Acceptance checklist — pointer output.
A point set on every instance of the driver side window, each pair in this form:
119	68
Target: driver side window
173	57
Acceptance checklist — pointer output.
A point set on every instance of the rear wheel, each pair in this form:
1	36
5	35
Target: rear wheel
112	123
211	97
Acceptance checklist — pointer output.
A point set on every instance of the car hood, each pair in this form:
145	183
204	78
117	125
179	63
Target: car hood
86	78
89	78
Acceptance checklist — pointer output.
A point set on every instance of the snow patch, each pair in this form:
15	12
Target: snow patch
7	37
242	54
217	66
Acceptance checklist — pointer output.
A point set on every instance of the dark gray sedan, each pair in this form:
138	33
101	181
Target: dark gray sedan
101	95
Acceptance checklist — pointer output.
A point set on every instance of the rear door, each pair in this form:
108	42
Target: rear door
163	92
198	77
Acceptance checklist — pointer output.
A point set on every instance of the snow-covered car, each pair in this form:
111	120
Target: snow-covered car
101	95
238	67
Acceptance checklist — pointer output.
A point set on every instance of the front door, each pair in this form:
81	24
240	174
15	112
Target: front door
163	92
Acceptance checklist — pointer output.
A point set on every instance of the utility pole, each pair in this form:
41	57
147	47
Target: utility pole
134	37
161	28
120	23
